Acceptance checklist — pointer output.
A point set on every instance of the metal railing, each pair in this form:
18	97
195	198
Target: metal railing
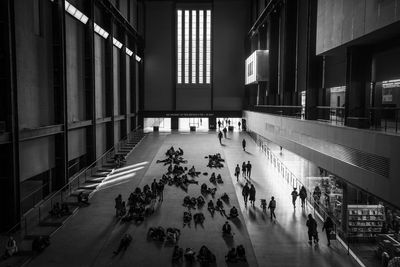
384	118
34	217
289	111
334	115
293	181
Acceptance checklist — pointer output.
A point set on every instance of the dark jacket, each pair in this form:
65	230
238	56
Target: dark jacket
312	225
252	192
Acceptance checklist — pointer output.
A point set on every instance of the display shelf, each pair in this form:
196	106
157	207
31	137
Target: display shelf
365	221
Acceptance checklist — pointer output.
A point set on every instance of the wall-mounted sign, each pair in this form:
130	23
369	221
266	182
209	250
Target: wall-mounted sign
257	67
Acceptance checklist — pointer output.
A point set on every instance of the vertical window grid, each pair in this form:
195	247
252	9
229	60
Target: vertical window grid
193	46
201	42
186	38
208	47
179	46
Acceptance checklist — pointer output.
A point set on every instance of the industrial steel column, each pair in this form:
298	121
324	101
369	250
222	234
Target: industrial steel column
9	146
60	95
90	90
110	82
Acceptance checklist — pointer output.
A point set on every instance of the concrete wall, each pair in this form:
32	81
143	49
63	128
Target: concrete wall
229	28
158	61
100	76
75	67
293	134
340	21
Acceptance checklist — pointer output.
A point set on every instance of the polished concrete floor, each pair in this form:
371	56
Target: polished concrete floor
93	233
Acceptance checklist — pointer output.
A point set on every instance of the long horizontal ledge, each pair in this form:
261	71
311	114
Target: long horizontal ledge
79	124
33	133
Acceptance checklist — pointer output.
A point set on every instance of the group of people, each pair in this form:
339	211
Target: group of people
140	202
204	257
246	170
215	161
302	194
60	210
249	193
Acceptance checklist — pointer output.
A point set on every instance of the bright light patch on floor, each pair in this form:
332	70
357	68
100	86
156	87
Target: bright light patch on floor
131	166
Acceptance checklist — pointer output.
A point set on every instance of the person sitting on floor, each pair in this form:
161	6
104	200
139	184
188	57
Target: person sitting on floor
177	254
56	210
205	257
241	253
11	248
173	235
219	179
156	233
225	197
212	178
210	207
190	255
83	198
233	213
124	243
200	202
40	243
199	218
227	229
170	168
65	209
187	218
231	256
204	188
220	207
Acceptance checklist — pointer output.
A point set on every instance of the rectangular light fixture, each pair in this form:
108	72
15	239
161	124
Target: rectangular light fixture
99	30
128	51
117	43
138	59
73	11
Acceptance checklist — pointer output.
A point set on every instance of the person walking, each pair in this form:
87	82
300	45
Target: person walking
244	169
224	130
244	144
237	172
220	137
160	189
252	194
219	124
245	193
312	230
303	196
328	227
271	207
118	204
154	186
239	125
248	169
294	196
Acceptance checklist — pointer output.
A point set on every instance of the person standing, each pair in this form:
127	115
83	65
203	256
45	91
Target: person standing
248	169
303	196
244	169
160	189
244	144
294	196
224	130
229	122
154	186
237	172
220	137
271	207
252	194
239	125
312	230
118	204
245	193
328	227
219	124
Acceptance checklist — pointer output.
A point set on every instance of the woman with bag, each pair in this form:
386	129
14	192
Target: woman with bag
328	227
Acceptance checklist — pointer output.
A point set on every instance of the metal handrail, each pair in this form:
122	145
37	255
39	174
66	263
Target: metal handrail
74	179
317	208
